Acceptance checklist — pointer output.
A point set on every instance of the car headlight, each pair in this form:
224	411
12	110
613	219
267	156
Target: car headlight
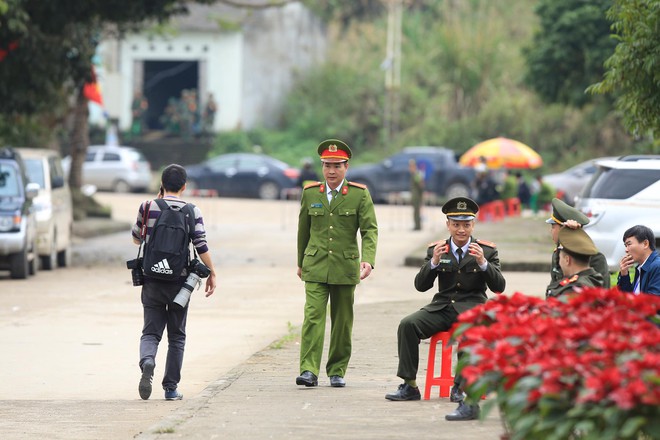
10	222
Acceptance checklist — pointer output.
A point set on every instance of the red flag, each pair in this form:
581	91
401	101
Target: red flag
92	90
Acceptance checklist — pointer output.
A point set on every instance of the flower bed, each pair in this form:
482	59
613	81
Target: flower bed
585	366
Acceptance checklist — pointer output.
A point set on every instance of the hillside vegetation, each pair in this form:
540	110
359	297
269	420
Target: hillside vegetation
462	81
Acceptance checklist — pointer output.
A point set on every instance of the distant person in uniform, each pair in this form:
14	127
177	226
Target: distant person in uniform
464	267
416	193
208	117
307	173
330	261
640	249
575	248
566	216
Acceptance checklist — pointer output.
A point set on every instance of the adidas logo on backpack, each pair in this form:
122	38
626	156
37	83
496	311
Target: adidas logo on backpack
162	267
167	252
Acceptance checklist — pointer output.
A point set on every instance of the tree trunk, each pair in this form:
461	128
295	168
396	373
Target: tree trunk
79	140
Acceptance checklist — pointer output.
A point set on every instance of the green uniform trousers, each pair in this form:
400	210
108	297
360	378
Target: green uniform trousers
419	325
341	327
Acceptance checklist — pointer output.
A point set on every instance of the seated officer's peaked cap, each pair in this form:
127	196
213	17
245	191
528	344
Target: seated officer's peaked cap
334	151
562	212
576	241
460	208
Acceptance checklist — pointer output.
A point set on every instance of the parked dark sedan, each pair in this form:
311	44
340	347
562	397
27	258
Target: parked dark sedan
243	175
443	176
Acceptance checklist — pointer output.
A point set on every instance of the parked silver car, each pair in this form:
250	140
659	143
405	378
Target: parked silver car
18	225
622	193
53	206
572	181
114	168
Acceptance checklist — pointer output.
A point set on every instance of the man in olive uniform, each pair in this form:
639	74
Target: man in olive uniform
331	213
575	248
564	215
416	193
464	268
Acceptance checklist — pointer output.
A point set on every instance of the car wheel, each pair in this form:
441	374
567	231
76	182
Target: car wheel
121	186
64	257
457	189
48	262
18	265
269	191
33	258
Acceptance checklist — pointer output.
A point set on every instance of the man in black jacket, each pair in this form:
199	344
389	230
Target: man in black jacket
464	267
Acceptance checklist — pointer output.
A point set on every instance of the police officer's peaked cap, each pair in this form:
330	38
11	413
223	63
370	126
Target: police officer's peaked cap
562	212
460	208
334	151
576	241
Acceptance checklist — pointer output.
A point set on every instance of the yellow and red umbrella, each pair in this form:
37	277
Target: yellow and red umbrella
501	152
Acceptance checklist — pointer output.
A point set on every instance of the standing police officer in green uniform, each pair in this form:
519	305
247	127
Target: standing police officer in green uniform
575	248
331	213
564	215
416	193
464	268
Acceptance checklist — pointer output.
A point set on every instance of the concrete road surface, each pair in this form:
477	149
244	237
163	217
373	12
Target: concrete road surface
70	337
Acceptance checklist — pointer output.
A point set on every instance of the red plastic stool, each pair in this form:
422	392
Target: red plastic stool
445	381
513	207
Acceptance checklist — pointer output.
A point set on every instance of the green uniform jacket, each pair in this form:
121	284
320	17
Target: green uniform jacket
598	262
462	286
587	278
327	238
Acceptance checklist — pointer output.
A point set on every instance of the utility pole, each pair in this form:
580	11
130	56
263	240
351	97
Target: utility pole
392	67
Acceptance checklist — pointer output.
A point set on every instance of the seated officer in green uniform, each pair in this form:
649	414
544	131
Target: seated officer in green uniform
564	215
575	248
331	213
464	268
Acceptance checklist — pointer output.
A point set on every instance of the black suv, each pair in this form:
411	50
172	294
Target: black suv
18	227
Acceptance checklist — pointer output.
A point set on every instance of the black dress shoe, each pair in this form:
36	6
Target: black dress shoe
404	392
456	395
308	379
337	381
463	412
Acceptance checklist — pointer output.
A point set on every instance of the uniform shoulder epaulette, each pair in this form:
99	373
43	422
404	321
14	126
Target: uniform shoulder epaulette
435	243
568	280
357	185
487	243
312	185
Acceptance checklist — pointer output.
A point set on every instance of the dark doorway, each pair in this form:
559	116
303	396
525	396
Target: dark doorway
164	80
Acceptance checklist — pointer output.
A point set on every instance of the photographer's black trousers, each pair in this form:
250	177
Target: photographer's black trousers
161	312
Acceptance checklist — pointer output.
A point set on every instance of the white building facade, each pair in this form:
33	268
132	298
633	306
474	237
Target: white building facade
248	60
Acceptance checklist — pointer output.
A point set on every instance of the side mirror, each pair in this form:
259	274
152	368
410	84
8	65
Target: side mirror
31	190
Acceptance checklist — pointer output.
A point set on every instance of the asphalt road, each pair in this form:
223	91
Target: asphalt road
70	337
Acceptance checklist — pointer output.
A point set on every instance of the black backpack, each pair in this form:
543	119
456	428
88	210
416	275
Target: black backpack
167	253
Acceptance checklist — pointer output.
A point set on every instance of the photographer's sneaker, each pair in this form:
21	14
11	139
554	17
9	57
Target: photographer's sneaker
173	394
144	388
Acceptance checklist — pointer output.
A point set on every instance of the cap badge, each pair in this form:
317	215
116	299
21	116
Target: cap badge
462	206
332	148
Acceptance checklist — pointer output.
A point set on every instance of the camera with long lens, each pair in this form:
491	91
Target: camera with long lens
197	270
136	271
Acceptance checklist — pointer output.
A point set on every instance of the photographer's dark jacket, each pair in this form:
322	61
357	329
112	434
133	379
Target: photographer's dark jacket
463	285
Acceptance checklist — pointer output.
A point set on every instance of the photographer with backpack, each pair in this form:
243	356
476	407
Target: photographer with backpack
165	227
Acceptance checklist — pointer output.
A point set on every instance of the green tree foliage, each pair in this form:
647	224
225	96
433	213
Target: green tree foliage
634	68
569	48
463	73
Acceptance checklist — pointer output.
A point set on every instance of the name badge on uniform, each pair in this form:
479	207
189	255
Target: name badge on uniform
444	261
316	205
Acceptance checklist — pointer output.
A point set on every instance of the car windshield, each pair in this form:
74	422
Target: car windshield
9	183
35	171
610	183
